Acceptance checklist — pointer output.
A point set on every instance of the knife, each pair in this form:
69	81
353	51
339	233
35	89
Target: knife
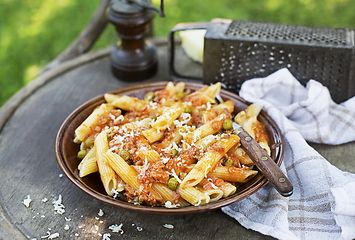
264	162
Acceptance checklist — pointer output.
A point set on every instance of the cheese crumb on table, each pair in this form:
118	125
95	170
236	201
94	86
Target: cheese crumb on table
27	201
169	226
58	206
101	213
106	236
116	228
50	236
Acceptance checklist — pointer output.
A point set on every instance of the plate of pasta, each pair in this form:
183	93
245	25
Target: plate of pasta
165	147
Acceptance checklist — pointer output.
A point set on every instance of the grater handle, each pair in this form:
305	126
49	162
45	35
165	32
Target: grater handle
171	53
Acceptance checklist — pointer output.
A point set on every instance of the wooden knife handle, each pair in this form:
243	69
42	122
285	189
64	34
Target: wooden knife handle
266	164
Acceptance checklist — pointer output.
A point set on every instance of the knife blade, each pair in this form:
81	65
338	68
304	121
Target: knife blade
264	162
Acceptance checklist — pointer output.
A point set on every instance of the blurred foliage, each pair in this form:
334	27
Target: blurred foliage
33	32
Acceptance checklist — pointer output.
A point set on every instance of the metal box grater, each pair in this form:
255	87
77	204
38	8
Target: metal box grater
235	51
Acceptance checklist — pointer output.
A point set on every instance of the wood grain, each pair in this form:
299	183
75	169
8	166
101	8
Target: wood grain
29	166
29	123
266	164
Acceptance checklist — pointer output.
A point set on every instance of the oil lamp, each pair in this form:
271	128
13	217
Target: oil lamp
133	58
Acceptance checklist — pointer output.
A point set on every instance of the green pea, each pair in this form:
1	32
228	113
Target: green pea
149	97
181	94
173	183
108	136
89	142
228	162
174	152
227	124
125	155
187	110
136	200
81	154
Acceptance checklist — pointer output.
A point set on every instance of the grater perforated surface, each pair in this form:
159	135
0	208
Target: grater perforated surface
300	34
240	50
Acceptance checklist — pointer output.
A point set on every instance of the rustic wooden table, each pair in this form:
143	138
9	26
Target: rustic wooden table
29	123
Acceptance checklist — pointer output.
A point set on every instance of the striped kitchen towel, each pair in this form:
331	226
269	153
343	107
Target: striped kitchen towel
323	203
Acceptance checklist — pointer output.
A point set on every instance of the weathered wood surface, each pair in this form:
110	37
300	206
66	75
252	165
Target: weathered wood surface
29	123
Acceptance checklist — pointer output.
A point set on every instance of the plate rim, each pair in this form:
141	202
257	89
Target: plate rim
157	209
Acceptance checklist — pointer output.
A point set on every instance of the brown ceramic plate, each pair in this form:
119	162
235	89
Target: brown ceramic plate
66	151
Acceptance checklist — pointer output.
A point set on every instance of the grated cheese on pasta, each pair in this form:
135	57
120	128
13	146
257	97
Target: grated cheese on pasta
175	175
176	144
197	135
169	204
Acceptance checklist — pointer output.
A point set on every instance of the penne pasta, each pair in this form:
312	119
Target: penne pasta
193	196
172	149
86	127
179	87
209	128
213	90
227	189
125	102
123	169
150	155
248	120
253	110
217	183
168	117
173	90
145	150
242	156
173	138
232	174
169	195
214	194
88	165
205	142
107	175
209	160
249	124
153	135
266	147
217	110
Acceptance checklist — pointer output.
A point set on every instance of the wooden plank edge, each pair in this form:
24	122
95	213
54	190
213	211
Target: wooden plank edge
19	97
8	230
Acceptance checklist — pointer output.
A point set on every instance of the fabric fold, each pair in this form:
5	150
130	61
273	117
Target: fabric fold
316	208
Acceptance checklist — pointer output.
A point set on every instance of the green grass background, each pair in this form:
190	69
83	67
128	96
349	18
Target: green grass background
33	32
